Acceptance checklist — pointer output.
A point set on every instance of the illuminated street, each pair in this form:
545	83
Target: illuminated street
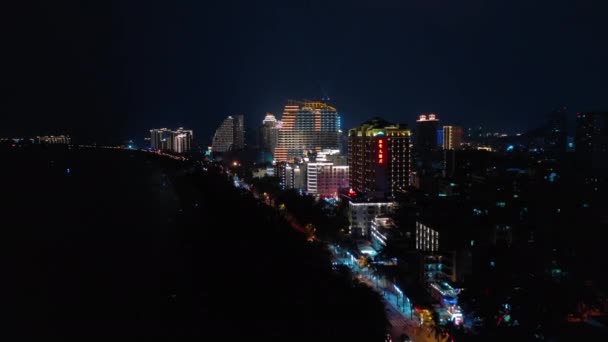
398	307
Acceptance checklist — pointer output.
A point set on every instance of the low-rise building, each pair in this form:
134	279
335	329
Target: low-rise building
382	229
363	213
326	179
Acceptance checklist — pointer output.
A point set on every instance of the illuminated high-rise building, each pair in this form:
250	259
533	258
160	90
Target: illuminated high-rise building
178	141
157	137
452	137
379	157
306	125
426	139
269	132
291	175
230	136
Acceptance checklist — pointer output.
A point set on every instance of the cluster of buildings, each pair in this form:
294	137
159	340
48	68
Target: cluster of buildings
321	173
379	165
442	195
443	198
177	141
41	139
53	139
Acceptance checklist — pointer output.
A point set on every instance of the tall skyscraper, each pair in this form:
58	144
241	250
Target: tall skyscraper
157	137
452	137
379	157
269	133
426	140
230	136
307	125
178	141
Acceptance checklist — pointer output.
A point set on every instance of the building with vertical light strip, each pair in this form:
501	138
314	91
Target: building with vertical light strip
452	137
379	157
306	126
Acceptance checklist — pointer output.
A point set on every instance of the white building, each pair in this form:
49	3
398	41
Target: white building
331	156
179	140
381	228
362	214
292	175
427	239
269	132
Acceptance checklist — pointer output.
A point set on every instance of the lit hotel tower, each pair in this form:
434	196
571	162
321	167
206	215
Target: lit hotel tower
307	125
379	157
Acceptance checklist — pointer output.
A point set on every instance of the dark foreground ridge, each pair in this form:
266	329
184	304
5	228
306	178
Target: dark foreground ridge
125	243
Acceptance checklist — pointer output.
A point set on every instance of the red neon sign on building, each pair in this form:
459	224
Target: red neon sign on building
380	151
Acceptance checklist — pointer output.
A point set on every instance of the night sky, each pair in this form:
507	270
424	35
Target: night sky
111	70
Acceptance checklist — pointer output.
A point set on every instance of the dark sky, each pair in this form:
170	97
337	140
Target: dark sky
114	69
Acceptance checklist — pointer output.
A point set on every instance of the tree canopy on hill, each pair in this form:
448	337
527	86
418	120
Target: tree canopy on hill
128	243
283	284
